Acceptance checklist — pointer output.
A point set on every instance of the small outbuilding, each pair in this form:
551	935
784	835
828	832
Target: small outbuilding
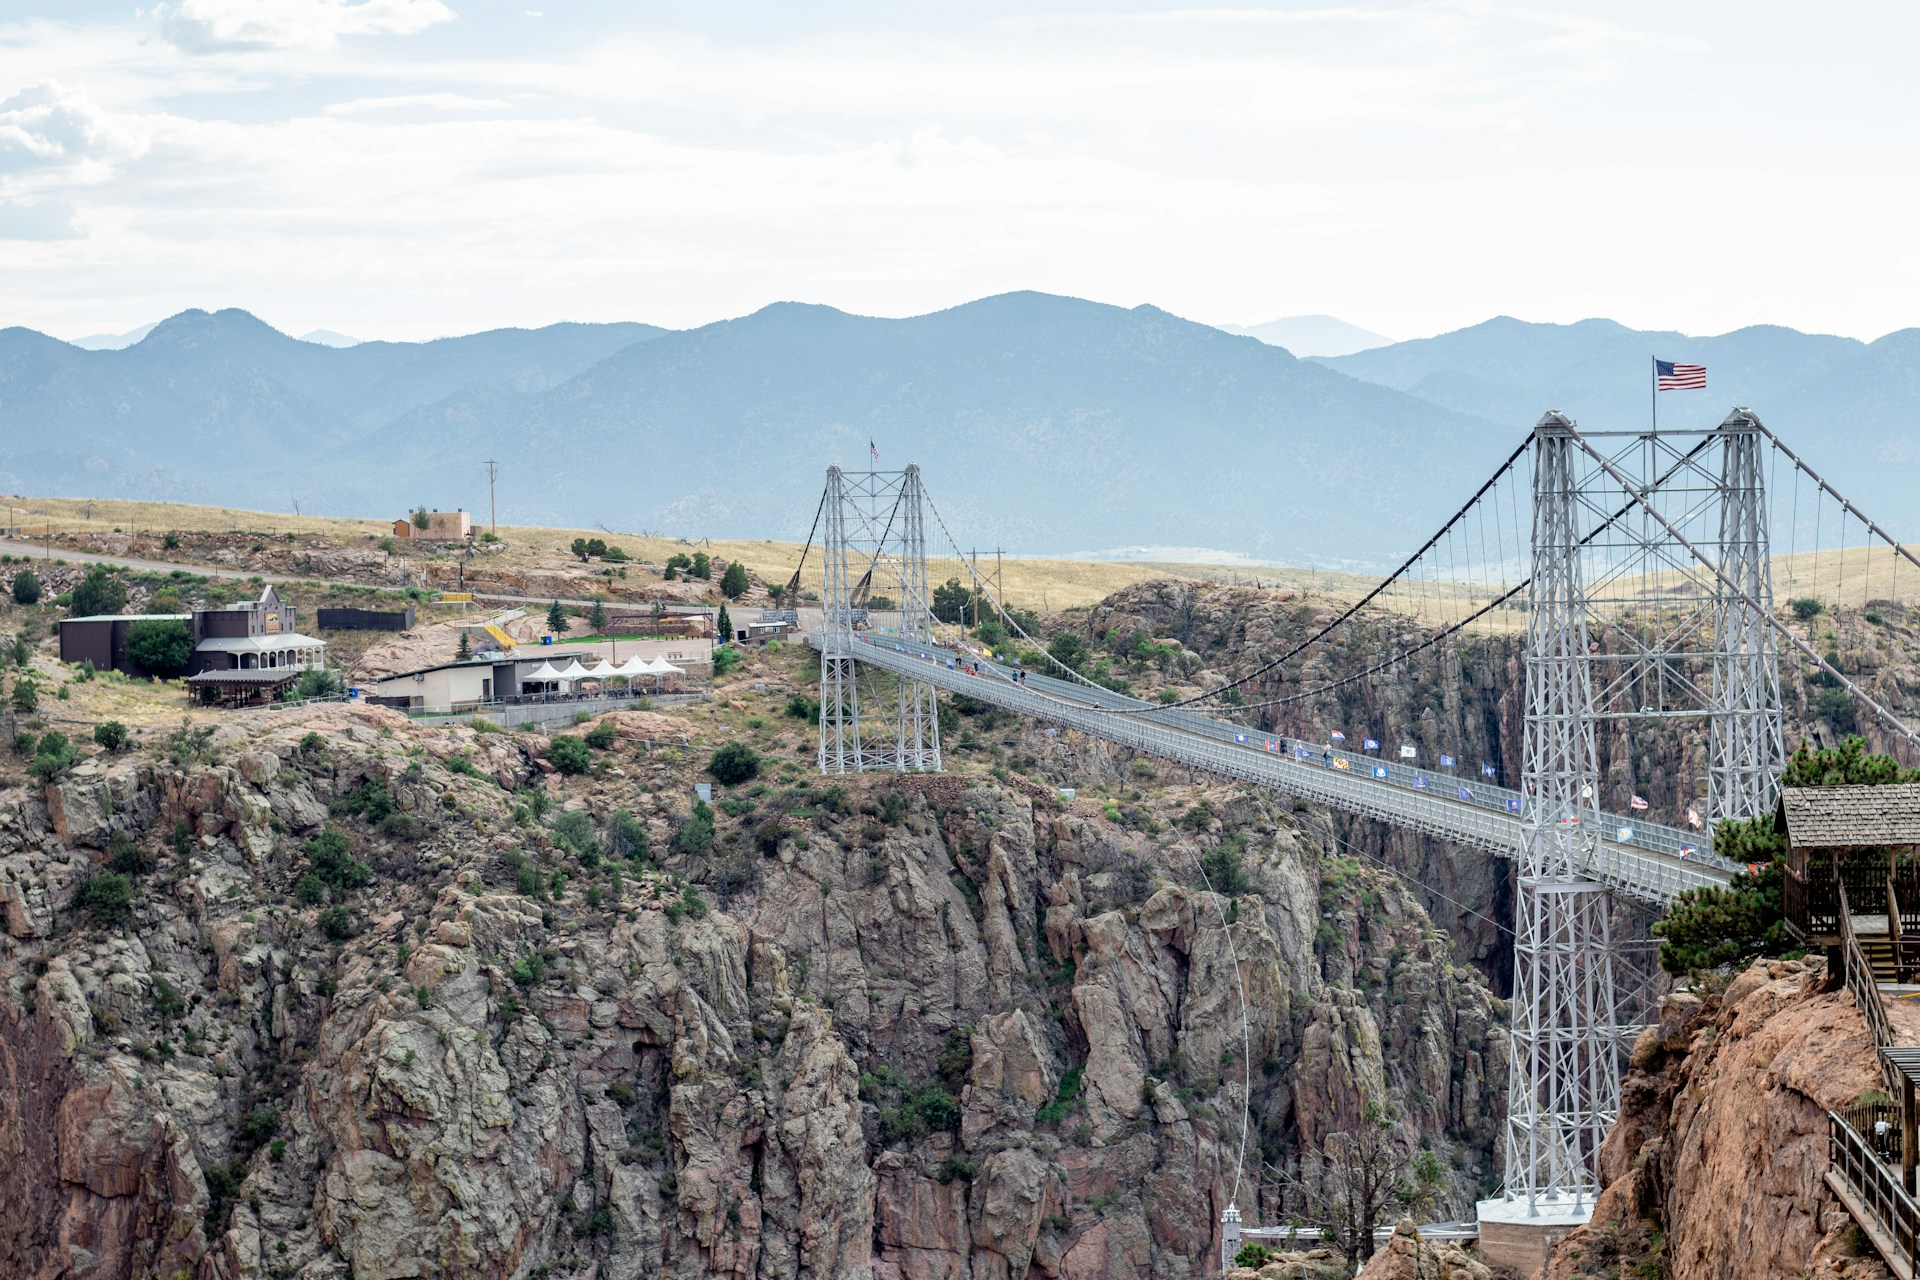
1851	846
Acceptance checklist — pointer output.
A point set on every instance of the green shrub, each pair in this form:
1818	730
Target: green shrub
1806	608
1252	1256
726	658
734	583
602	736
319	682
337	923
570	755
108	897
529	970
574	832
99	592
332	870
734	763
160	647
53	755
1225	868
26	588
261	1123
112	735
627	837
696	833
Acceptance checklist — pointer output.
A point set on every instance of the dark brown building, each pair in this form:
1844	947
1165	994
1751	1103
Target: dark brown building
102	638
254	635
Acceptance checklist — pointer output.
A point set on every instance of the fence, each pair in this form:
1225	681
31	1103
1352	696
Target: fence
1870	1188
364	619
1866	992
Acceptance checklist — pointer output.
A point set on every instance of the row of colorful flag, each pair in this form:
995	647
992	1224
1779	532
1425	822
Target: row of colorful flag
1410	752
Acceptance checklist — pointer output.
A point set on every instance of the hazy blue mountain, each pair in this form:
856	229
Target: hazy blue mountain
1849	408
329	338
1597	371
1312	335
1044	423
221	407
113	341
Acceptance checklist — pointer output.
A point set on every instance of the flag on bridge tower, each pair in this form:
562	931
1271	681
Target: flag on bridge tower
1635	802
1338	736
1373	744
1669	376
874	449
1693	817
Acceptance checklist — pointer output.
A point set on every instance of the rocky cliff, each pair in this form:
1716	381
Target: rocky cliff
1714	1170
337	994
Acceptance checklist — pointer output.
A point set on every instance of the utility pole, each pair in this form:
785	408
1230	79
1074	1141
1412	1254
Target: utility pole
493	524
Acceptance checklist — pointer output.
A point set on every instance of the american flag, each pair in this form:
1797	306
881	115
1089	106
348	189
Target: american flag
1668	376
1637	803
874	449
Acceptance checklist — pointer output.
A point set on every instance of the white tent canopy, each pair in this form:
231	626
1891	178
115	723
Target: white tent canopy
572	671
634	666
542	674
602	669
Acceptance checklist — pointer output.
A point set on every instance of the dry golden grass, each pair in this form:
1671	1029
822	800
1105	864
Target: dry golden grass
1851	577
1045	585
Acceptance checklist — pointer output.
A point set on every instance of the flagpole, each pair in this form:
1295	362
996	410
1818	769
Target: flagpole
1653	390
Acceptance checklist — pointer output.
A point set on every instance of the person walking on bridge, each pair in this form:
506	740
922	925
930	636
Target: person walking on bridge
1326	755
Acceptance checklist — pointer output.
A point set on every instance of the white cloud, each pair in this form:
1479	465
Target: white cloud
206	26
1408	166
416	101
51	127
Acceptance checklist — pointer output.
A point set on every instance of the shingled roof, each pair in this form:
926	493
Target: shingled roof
1831	817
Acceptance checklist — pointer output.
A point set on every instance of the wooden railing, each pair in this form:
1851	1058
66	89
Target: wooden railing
1866	993
1870	1188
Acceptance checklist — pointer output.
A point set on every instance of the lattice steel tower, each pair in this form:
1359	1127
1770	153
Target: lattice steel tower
874	532
1745	751
1564	1086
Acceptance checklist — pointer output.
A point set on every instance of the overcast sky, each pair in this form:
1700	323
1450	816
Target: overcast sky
411	168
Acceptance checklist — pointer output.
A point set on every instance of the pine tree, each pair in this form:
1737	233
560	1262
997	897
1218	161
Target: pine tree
557	619
597	619
724	625
465	650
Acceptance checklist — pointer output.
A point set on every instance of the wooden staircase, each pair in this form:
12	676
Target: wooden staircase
1877	949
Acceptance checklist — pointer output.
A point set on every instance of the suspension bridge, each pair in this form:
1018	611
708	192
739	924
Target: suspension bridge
1639	566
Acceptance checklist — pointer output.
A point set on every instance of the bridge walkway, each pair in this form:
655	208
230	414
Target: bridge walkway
1647	865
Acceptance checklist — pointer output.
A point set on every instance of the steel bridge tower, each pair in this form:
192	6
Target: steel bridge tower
1622	625
874	533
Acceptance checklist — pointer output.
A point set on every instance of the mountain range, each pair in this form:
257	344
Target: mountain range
1042	424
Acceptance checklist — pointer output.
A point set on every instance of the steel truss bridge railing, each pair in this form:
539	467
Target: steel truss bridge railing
1648	869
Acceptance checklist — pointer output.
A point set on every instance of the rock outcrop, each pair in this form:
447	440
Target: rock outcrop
1715	1167
393	1001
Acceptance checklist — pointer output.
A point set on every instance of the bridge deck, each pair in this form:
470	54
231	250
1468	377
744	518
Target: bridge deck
1648	866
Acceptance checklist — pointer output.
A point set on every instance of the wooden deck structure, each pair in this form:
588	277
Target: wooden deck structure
1862	839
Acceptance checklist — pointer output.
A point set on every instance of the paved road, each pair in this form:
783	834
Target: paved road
39	552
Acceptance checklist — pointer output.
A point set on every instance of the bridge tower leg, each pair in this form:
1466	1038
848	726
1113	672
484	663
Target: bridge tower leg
839	690
917	743
1564	1086
1745	750
853	740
